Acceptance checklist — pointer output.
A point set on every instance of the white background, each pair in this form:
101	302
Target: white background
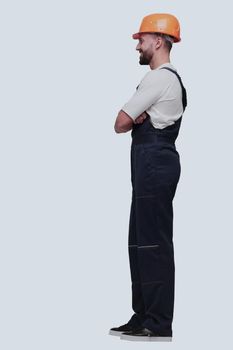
66	70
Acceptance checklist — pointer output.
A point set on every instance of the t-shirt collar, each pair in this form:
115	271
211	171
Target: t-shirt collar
167	64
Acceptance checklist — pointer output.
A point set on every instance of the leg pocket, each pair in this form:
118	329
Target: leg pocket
151	154
145	170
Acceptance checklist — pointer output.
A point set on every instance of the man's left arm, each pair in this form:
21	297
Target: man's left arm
148	92
125	123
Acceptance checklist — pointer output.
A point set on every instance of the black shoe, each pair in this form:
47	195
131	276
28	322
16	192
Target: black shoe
144	334
119	330
133	330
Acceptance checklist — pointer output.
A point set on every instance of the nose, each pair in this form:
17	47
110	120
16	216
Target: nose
138	47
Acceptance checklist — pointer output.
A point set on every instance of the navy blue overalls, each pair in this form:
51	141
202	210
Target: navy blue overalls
155	172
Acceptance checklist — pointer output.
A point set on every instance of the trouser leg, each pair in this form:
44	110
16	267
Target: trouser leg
137	297
155	185
156	259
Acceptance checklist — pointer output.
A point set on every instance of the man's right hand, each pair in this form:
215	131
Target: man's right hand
140	119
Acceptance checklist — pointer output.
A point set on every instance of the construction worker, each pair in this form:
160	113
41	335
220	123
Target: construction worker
154	115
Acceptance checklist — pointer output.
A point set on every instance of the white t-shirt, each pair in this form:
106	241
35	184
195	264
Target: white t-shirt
160	95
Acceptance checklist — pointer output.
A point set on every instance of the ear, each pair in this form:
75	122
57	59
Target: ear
158	42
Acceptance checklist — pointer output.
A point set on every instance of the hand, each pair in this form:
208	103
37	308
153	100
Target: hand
140	119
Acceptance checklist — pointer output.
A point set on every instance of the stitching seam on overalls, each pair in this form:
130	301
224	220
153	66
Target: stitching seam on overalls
160	282
143	246
149	246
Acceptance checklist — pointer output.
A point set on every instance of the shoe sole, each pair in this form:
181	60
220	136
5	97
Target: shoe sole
145	338
116	333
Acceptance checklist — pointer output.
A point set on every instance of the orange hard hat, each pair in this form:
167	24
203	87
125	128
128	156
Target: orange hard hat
160	23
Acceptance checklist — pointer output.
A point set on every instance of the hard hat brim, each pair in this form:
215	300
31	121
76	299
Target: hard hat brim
136	36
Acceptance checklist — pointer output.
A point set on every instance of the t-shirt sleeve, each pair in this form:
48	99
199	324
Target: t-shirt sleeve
148	92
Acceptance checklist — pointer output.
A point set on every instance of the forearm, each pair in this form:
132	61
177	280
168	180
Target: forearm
120	130
124	122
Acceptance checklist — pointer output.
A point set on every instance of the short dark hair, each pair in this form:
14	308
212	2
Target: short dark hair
168	40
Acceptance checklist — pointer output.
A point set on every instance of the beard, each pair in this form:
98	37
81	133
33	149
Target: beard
145	58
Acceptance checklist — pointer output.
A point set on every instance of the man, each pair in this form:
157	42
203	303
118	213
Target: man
154	115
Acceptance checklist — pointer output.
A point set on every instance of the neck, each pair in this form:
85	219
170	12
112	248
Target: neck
157	61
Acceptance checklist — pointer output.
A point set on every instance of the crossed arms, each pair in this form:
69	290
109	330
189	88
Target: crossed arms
125	123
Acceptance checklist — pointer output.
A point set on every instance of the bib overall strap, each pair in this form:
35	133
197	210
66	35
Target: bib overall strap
184	94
